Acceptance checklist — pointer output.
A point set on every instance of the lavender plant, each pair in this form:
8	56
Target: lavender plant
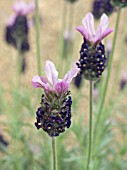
92	60
108	73
16	114
37	36
17	31
67	38
54	115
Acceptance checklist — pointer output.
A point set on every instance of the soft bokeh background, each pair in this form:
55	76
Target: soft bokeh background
26	138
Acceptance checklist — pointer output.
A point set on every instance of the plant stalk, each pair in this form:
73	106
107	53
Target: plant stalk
63	28
54	156
108	73
37	26
19	62
90	124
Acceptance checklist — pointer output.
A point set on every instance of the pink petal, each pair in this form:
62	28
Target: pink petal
88	31
11	20
30	8
43	79
82	31
107	32
71	74
62	87
104	22
51	72
88	23
22	8
19	7
40	82
103	29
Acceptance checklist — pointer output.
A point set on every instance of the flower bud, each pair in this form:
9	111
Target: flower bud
100	7
123	81
54	115
92	60
78	81
18	33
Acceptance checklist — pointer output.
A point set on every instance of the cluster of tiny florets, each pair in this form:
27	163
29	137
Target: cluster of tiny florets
92	60
17	34
54	115
102	6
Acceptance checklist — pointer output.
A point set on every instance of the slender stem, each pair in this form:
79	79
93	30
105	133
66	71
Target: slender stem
67	52
64	19
54	153
119	65
71	20
63	28
90	125
71	17
19	62
38	37
109	71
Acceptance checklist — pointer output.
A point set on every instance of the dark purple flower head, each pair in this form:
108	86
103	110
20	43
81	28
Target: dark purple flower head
78	80
100	7
123	81
17	31
54	115
93	60
18	26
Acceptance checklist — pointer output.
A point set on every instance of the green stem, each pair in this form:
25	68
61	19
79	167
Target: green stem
119	65
37	38
70	45
90	125
71	17
19	62
109	72
54	153
64	19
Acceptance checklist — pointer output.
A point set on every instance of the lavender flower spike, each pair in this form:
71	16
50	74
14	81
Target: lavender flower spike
54	115
58	85
88	31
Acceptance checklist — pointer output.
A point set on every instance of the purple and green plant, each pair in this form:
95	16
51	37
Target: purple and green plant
92	60
54	114
17	32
